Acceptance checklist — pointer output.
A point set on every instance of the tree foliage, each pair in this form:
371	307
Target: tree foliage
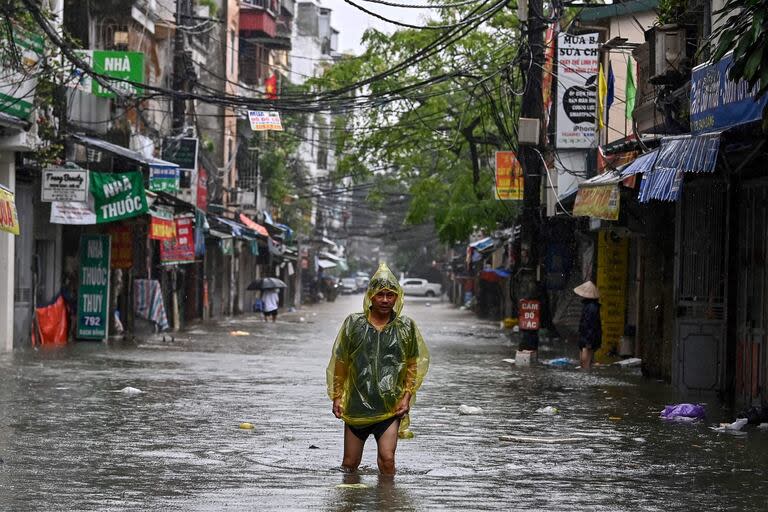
437	133
746	33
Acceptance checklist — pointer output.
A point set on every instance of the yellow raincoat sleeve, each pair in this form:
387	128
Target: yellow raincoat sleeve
338	367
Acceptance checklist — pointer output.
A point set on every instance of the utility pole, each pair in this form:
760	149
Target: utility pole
533	167
180	81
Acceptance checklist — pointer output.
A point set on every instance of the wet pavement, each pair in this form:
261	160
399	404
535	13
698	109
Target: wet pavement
70	440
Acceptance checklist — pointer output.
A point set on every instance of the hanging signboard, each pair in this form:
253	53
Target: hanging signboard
202	188
577	63
182	248
9	221
126	69
93	289
509	176
163	178
718	102
61	184
182	152
529	312
162	225
75	213
122	246
598	202
18	71
118	195
263	121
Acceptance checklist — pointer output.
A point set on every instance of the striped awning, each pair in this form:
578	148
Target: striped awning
641	164
663	171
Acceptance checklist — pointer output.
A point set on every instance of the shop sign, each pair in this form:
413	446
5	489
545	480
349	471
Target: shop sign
74	213
577	65
718	102
18	70
164	178
529	313
9	221
122	246
118	196
182	248
510	182
93	289
162	225
263	121
61	184
202	188
182	152
122	68
612	265
597	202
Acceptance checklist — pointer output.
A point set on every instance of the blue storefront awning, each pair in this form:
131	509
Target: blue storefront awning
664	168
643	163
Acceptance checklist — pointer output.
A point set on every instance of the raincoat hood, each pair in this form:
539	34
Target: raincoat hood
382	280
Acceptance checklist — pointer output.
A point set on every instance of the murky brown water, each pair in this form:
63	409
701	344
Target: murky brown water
70	440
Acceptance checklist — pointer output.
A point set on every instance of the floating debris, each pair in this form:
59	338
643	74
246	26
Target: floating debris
246	426
550	410
510	361
128	390
351	486
313	447
239	333
732	428
629	363
468	410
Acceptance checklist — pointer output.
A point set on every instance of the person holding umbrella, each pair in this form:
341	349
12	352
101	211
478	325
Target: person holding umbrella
270	299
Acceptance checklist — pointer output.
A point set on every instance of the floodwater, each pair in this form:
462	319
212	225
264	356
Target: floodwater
70	440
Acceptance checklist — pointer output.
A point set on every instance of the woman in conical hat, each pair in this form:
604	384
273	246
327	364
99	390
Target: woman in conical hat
590	330
378	362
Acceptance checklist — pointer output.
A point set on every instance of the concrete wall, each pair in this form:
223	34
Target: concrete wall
7	251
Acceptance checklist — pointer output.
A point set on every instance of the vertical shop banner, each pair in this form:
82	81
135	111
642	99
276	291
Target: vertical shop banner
122	246
510	183
93	289
202	188
577	66
118	195
162	225
612	265
18	72
9	220
163	178
550	42
182	248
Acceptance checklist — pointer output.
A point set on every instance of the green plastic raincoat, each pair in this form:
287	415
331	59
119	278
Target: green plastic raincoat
371	370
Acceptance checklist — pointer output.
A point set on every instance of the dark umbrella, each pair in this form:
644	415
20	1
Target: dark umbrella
266	284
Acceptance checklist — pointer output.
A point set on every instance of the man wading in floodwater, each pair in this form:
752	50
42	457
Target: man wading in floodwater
379	360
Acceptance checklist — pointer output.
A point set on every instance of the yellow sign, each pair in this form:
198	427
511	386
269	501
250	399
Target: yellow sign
510	183
612	263
8	219
599	202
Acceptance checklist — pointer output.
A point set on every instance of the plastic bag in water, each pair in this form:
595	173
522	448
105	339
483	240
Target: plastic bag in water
683	412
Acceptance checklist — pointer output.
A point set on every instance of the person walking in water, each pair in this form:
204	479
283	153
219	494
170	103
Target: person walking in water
590	331
378	362
270	300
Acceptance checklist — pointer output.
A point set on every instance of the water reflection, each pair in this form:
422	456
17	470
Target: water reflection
380	492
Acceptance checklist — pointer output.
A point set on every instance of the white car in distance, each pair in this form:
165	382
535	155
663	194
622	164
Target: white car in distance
415	286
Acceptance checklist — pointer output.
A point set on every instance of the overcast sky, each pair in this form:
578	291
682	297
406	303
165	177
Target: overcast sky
351	22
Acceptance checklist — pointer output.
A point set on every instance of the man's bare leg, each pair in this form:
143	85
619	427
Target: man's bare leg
586	358
353	450
387	444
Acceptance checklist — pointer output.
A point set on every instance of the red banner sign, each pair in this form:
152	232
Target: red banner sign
122	246
162	226
529	315
202	188
509	176
182	249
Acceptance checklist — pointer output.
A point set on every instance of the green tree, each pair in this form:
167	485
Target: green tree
434	126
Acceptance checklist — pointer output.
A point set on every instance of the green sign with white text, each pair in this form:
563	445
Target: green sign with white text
93	290
121	66
118	195
19	60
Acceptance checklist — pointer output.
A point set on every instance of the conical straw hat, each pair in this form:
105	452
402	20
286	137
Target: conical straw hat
587	290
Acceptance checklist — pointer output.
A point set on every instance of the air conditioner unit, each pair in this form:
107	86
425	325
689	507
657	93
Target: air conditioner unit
667	53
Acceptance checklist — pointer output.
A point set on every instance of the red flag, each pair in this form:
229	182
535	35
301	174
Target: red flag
270	87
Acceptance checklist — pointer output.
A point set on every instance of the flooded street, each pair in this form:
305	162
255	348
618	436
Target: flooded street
70	440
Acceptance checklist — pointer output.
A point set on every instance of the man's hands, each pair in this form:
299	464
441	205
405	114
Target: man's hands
403	406
337	409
